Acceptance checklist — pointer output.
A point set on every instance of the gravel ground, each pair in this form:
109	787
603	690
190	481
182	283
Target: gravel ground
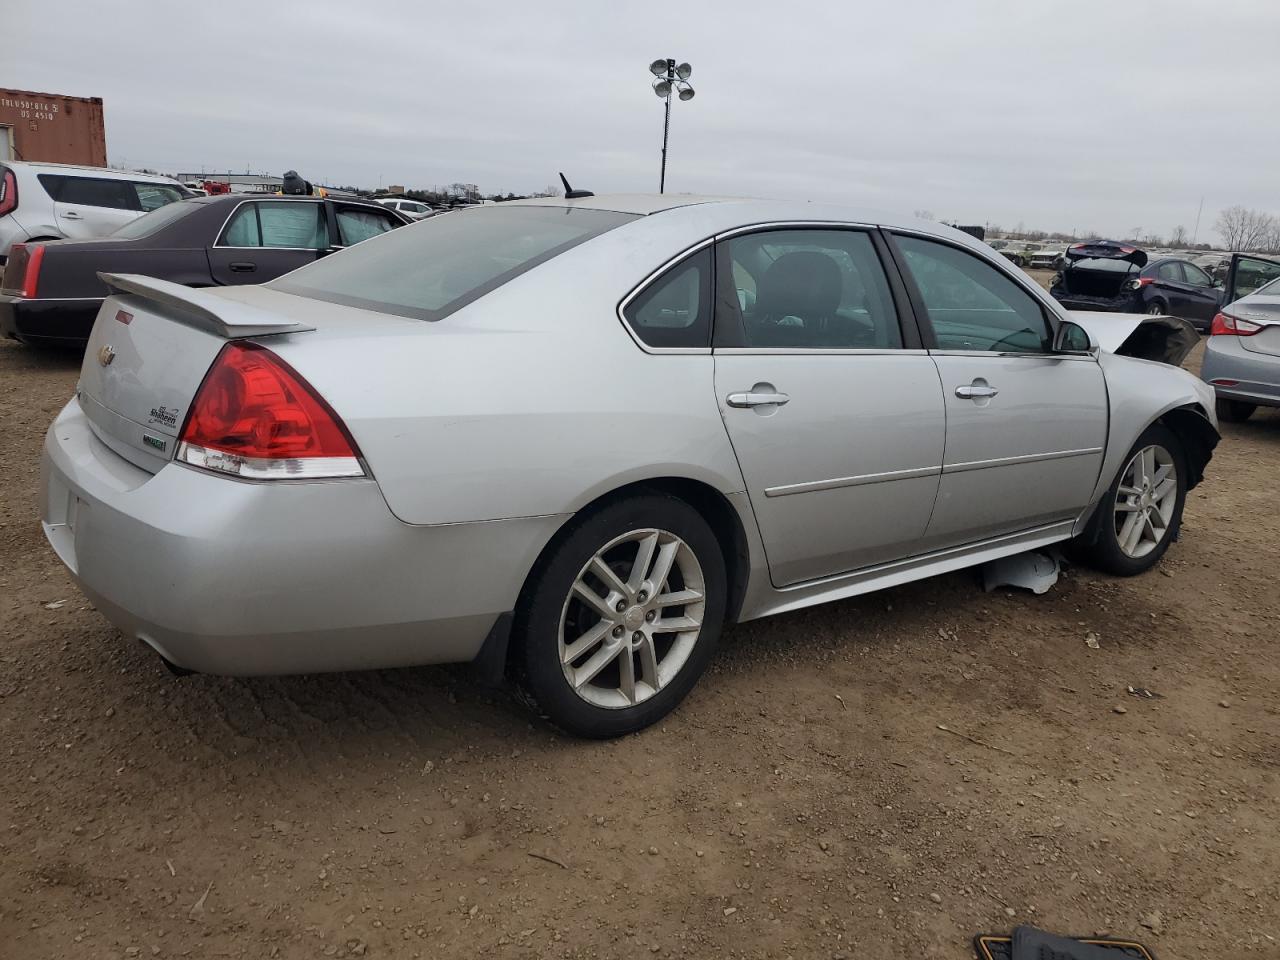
880	777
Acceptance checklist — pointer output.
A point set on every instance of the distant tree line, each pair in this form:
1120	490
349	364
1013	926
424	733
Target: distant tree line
1249	230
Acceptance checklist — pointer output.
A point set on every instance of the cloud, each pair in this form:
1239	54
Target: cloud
1084	114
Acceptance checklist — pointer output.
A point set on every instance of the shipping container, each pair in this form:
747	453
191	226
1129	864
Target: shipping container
52	128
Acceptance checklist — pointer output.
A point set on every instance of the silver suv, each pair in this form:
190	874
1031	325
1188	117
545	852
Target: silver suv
54	201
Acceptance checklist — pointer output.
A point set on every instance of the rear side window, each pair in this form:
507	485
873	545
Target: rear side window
812	289
1170	271
444	263
286	224
90	191
675	309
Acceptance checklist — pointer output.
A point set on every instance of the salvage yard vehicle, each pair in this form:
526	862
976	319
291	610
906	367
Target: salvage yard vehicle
50	292
1120	278
1048	257
1242	354
55	201
1019	251
570	439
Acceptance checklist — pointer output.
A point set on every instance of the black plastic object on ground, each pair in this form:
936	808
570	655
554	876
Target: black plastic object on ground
1030	943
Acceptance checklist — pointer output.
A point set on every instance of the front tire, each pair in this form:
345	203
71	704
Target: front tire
1235	411
1139	515
621	617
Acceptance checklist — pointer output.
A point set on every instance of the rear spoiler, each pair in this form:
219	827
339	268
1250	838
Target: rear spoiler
199	308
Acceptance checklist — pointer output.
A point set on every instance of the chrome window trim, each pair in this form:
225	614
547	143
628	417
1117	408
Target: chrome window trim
791	224
644	284
222	246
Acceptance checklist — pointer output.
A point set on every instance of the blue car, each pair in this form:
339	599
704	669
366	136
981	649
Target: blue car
1119	278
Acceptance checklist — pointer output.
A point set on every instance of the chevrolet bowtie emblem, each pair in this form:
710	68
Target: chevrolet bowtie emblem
106	354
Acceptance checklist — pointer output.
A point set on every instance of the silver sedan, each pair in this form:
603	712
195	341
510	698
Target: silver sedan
571	439
1242	354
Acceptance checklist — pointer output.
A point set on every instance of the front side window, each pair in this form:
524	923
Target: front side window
355	224
1196	276
444	263
153	196
285	224
972	305
90	191
675	309
811	289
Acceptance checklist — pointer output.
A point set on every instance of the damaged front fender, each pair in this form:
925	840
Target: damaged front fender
1163	339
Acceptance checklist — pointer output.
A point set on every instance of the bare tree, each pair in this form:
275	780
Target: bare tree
1179	236
1245	229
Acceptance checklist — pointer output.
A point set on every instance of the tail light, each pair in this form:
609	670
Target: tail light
254	416
8	193
1137	283
1225	323
22	270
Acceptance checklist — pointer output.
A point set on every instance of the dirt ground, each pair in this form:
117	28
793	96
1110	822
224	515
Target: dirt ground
877	778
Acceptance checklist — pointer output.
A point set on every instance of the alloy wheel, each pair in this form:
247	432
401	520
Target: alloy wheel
1145	501
632	618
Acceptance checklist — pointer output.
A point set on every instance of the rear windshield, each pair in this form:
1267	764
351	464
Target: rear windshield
439	265
155	221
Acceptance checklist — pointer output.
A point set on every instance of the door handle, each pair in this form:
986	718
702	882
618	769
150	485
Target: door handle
72	215
242	266
751	399
976	391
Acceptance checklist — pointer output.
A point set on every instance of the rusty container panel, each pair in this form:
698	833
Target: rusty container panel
52	128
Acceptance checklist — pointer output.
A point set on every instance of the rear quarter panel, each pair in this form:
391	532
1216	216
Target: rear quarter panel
533	400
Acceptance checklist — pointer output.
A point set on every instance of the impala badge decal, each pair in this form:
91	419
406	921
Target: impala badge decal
166	415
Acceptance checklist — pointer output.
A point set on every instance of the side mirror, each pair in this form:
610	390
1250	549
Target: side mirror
1071	338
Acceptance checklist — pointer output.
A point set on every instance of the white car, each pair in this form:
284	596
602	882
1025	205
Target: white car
410	208
55	201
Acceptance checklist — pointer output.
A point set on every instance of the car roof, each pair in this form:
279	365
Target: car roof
109	173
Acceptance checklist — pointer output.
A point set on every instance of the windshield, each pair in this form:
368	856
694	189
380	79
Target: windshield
439	265
156	220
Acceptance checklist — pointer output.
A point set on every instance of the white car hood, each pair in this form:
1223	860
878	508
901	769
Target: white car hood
1166	339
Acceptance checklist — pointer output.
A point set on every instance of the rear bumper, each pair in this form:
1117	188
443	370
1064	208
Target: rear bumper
1256	375
224	576
48	321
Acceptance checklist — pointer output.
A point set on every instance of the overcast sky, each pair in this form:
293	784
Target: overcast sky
1057	115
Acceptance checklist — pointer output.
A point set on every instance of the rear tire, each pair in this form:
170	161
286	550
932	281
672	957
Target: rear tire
1235	411
591	652
1139	515
1157	308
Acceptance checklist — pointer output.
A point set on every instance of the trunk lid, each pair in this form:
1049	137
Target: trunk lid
1107	250
148	353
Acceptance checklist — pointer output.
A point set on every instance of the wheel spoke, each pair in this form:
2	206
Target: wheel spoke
675	624
678	598
662	566
1163	489
1149	463
627	673
573	651
1124	506
592	599
1124	491
605	573
644	558
1132	522
649	663
1162	474
1131	535
599	660
1149	527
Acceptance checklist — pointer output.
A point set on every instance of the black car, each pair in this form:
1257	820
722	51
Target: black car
1106	275
50	292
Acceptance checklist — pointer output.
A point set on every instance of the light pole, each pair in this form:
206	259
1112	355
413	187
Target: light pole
670	77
